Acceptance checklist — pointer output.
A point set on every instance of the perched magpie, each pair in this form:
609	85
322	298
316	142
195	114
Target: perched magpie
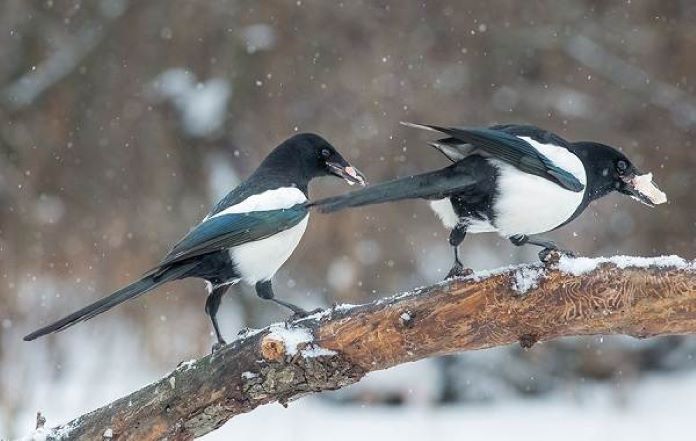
246	237
516	180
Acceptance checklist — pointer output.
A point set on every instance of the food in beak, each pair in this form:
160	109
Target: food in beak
350	174
644	186
353	173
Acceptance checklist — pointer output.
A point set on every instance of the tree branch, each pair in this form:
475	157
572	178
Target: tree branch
65	60
334	348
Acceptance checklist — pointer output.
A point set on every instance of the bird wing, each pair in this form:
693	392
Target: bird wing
225	231
506	147
452	148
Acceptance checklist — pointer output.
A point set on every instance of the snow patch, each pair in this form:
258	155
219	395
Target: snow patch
527	278
345	307
582	265
291	337
186	365
317	351
39	434
42	433
327	312
248	375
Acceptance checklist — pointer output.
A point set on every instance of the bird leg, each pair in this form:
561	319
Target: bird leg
456	237
212	304
265	291
548	246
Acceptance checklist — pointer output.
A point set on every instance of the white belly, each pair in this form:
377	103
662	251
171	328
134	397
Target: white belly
259	260
443	209
529	204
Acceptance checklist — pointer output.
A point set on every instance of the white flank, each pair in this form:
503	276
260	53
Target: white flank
259	260
278	198
444	210
480	226
529	204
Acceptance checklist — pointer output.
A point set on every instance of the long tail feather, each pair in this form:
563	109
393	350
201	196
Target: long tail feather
431	185
131	291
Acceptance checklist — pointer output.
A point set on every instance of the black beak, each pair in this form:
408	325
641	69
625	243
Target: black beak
643	189
349	173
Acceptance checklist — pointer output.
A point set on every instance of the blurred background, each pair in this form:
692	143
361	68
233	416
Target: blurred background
122	122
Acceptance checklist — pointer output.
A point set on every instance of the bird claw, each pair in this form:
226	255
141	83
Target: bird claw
458	271
553	255
218	346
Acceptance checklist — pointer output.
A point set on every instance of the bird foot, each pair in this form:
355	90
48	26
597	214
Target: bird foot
458	271
218	345
301	313
553	255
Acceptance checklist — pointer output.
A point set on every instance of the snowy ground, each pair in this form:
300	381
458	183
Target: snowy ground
654	408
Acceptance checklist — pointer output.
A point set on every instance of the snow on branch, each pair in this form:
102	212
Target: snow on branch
641	297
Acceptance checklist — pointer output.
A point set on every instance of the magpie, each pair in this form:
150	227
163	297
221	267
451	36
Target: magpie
246	237
515	180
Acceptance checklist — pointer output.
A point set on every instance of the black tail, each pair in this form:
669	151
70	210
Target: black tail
432	185
133	290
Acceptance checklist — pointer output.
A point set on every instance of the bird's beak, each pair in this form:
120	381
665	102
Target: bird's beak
643	189
349	173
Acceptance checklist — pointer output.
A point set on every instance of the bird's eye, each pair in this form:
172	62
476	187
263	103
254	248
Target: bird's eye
621	166
325	153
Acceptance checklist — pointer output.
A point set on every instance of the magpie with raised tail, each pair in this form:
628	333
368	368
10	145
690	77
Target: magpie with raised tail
246	237
516	180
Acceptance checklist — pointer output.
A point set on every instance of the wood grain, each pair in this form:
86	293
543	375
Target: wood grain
460	315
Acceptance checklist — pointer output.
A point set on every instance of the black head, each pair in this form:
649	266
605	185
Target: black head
610	170
306	156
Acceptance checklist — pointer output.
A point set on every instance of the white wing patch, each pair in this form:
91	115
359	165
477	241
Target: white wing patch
560	156
278	198
443	209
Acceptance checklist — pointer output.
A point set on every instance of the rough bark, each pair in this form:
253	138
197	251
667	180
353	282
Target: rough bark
335	348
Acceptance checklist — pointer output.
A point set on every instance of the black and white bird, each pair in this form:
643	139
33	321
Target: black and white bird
515	180
246	237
